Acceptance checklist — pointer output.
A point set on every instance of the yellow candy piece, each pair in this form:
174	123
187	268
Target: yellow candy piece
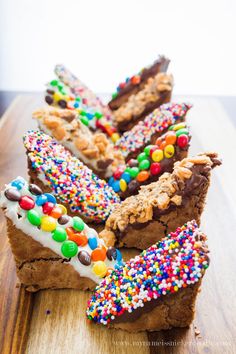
115	137
57	96
179	126
157	155
169	151
63	208
100	269
48	223
123	185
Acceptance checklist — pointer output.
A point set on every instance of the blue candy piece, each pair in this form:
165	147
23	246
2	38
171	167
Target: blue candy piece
118	255
41	199
51	198
76	105
116	186
111	181
18	183
126	176
93	243
89	116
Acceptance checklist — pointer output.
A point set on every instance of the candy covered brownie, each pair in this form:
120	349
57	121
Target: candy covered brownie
54	169
94	150
156	91
157	289
152	162
158	208
135	83
88	97
147	131
52	249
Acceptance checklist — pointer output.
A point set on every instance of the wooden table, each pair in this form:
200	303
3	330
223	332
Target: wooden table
54	321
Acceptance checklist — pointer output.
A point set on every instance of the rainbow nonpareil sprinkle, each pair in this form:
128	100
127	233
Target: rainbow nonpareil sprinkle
156	122
70	180
175	262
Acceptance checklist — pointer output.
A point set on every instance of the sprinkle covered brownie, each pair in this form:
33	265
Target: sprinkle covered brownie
135	83
157	289
51	248
156	91
54	169
141	220
94	150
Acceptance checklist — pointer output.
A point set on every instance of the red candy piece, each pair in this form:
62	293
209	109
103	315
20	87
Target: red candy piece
182	141
26	202
47	207
122	85
154	148
117	174
155	168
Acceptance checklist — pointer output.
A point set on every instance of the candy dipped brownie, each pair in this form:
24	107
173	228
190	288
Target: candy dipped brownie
156	91
94	150
141	220
52	249
54	169
60	96
157	289
152	162
78	88
136	83
153	126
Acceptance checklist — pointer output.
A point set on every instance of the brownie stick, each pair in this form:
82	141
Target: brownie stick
158	208
136	83
157	289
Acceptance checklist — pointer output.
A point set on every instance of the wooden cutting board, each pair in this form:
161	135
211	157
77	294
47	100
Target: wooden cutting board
54	321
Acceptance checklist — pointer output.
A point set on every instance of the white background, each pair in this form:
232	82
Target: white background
104	41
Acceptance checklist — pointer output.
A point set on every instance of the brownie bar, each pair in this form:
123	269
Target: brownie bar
141	220
156	92
52	249
136	83
94	150
157	289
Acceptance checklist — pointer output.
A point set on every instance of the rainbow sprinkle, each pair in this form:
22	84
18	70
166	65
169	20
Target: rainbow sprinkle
175	262
156	122
70	180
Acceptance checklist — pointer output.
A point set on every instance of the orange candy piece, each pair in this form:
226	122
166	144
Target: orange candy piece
99	254
170	138
78	237
162	145
56	212
142	176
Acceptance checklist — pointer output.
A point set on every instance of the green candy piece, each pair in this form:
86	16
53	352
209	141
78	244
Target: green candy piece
182	131
54	83
33	217
59	234
78	99
60	86
84	120
144	165
78	223
128	169
141	157
147	149
63	92
114	95
69	249
98	115
83	113
134	171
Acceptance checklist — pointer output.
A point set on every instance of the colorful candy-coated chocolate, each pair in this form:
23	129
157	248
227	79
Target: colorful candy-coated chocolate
48	223
182	131
56	212
50	198
64	219
123	185
26	202
18	183
35	190
155	168
111	253
157	155
177	126
116	186
118	173
12	194
84	258
148	148
78	223
99	254
33	217
100	269
143	176
126	176
93	243
79	238
59	234
141	157
169	151
115	137
69	249
133	163
144	165
48	207
182	140
134	172
170	138
41	199
118	255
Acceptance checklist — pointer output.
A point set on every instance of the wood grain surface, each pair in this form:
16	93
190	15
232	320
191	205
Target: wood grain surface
54	321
